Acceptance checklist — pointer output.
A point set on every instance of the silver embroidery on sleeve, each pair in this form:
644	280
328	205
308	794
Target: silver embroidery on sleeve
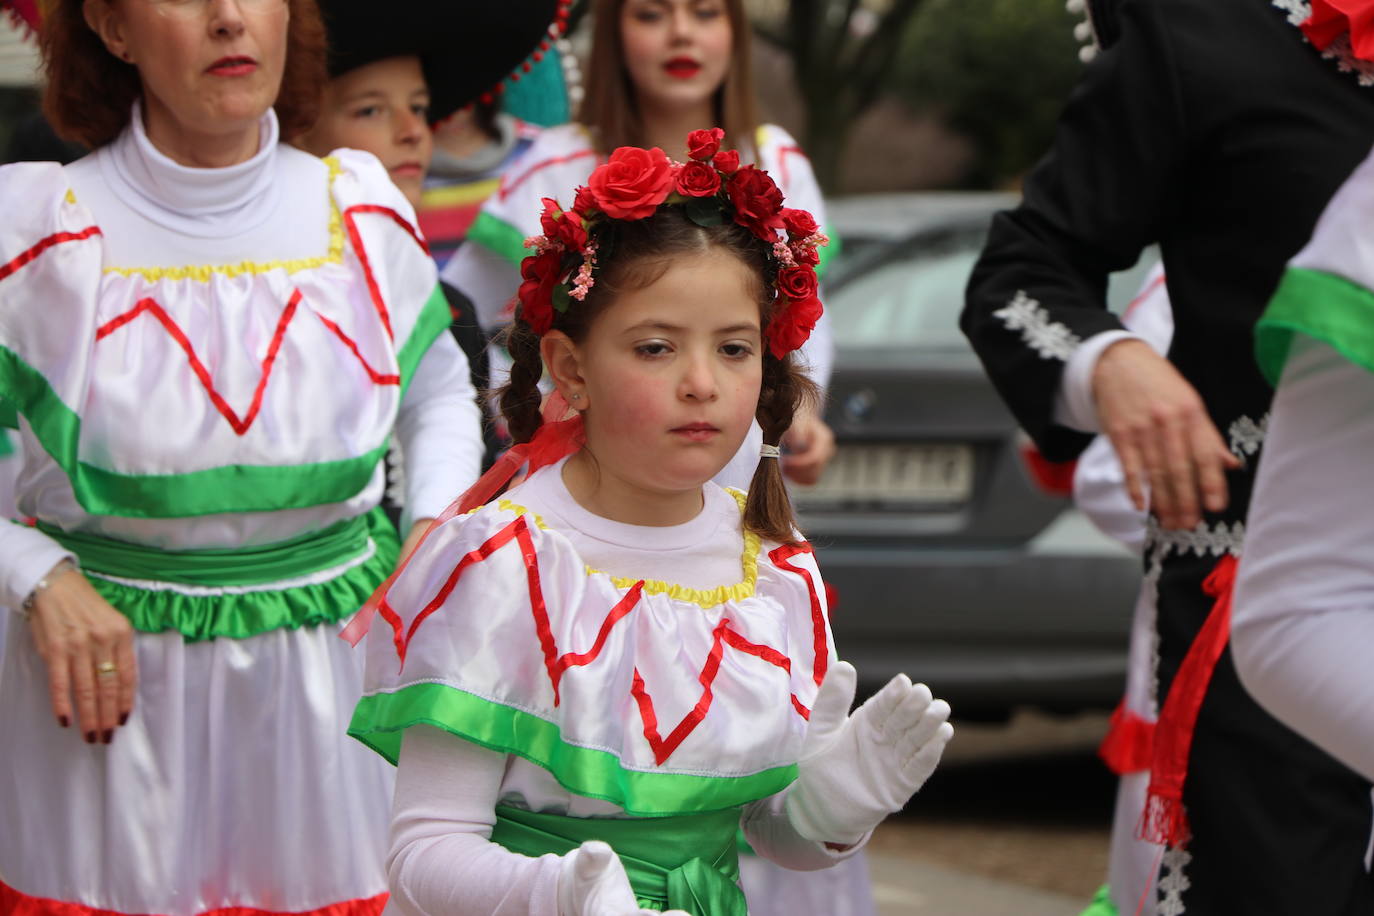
1203	541
1050	339
1247	436
1172	881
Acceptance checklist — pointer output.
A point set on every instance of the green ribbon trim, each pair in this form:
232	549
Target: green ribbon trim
687	862
381	719
239	616
6	446
229	488
9	417
1321	305
289	559
1102	904
498	236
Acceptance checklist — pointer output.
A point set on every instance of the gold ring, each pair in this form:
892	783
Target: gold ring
105	668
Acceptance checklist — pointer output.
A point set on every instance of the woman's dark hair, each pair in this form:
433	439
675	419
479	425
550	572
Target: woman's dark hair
610	110
641	252
90	92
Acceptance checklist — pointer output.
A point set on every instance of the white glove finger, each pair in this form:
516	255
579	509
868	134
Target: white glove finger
878	708
919	730
596	882
831	708
907	714
918	767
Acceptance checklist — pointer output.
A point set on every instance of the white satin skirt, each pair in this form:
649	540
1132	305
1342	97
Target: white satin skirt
841	890
232	785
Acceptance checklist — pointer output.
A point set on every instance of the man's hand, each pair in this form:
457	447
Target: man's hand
1162	434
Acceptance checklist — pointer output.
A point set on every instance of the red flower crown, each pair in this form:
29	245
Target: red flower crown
711	187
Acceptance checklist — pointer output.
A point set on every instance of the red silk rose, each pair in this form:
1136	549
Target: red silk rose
805	254
697	179
800	224
726	161
540	273
798	282
583	202
703	144
791	326
632	183
757	202
562	226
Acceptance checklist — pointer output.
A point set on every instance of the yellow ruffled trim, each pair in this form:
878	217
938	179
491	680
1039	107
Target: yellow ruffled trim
705	598
201	273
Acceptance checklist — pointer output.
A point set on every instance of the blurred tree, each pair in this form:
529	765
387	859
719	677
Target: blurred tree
843	53
997	71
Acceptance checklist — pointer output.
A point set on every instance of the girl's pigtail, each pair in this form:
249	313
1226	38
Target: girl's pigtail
768	509
520	397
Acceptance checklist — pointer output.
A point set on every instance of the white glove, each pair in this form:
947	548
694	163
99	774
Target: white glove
593	883
857	769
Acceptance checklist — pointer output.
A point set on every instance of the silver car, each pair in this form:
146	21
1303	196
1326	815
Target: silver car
950	555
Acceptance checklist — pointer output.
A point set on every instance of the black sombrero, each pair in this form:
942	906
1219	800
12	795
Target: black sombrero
467	48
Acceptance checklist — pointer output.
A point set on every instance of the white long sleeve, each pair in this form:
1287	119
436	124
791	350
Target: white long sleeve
26	554
1303	613
439	427
771	834
442	861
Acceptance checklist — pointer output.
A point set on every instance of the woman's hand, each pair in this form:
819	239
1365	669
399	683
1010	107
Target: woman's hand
88	648
1162	434
593	883
810	446
417	531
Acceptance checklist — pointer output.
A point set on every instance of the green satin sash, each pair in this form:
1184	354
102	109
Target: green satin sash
299	556
685	862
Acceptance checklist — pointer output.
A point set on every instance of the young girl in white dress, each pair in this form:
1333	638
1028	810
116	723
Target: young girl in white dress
590	682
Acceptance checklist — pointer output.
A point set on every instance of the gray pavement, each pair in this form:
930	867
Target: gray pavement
906	887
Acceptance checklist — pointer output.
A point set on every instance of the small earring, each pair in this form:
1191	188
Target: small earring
575	396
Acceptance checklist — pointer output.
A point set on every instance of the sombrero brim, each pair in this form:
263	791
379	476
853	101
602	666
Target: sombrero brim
466	47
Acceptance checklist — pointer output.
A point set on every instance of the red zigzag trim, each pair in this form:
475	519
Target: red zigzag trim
557	664
57	238
242	424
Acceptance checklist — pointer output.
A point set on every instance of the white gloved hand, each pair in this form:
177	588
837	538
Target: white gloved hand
857	769
593	883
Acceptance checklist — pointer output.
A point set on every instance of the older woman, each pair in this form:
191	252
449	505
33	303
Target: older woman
209	337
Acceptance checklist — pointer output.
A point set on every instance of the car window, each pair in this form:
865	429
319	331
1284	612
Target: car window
916	300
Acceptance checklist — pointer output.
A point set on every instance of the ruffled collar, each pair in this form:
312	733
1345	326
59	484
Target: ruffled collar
1330	32
206	203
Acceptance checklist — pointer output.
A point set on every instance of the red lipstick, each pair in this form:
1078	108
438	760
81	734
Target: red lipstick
232	66
683	68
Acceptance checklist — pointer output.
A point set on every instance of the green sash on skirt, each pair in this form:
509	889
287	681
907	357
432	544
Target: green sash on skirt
684	862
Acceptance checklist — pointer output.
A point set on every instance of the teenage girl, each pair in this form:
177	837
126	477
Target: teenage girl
590	682
657	69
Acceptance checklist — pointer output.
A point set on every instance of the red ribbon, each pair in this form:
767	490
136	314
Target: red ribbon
1164	820
1129	745
553	441
1331	19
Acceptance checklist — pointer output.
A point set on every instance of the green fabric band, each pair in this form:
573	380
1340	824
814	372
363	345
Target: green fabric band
9	416
382	718
240	615
1321	305
686	862
290	559
1102	904
6	446
498	236
230	488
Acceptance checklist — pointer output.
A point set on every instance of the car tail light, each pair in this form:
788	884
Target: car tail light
1054	478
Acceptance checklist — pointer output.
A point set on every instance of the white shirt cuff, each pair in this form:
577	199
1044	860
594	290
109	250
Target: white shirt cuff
1074	405
29	556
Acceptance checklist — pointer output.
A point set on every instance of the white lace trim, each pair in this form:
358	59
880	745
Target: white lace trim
200	591
1203	540
1338	51
1050	339
1247	436
1172	881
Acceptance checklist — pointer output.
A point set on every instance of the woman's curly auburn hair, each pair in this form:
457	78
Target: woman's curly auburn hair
640	253
90	92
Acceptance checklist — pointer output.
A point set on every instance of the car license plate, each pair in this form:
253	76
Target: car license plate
893	474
